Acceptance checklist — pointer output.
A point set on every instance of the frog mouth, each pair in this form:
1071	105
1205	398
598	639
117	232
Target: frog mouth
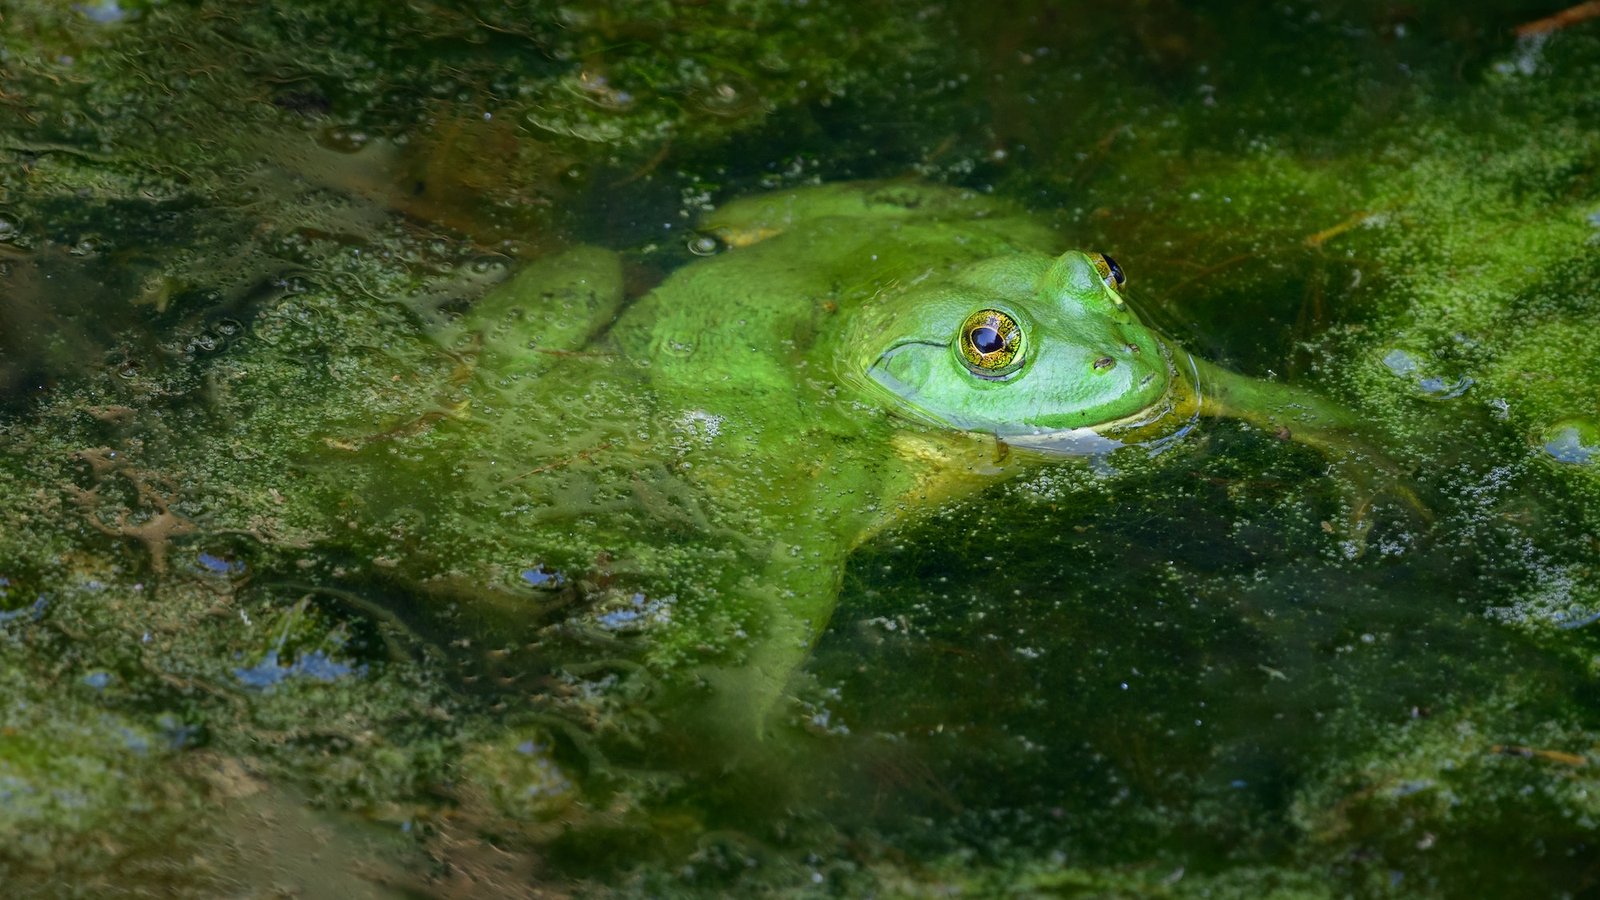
904	394
1157	427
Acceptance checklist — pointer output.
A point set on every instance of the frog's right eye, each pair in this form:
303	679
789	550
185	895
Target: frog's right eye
991	344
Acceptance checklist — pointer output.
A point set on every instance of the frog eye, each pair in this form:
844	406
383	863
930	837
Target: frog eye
991	344
1110	272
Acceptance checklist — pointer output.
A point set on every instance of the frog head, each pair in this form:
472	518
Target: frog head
1041	352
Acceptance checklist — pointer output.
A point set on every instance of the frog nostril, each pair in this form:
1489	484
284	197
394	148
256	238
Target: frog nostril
1103	363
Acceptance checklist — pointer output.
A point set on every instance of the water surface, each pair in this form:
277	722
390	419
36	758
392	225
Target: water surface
239	655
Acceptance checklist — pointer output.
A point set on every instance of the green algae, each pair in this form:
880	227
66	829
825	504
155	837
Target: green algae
247	408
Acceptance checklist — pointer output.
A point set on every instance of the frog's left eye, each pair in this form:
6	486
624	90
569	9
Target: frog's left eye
1110	272
991	344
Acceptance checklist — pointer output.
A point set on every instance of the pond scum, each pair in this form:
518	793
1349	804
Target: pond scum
241	656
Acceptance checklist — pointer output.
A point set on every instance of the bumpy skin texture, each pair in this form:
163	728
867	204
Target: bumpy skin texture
807	386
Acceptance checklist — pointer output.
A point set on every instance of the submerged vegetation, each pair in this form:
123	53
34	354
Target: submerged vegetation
235	241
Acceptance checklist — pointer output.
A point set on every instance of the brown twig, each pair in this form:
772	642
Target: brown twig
1572	15
563	462
1557	756
1333	231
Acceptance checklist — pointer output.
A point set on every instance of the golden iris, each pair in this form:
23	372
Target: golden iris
1109	271
991	343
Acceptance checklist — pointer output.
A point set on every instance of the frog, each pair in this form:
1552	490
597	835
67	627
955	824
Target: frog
838	360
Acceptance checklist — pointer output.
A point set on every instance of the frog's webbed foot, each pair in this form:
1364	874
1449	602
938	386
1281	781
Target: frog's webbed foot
1366	477
1372	489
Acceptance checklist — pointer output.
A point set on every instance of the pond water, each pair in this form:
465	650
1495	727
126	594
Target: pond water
410	492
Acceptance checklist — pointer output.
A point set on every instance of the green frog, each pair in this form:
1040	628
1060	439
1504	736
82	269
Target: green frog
846	356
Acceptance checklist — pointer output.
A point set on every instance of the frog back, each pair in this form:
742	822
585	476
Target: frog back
760	326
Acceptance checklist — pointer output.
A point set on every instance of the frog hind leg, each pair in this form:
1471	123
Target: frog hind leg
552	308
749	694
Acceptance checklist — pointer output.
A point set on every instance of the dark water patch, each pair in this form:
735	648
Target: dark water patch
1110	687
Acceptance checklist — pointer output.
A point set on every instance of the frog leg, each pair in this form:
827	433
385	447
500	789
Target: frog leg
797	588
1292	413
793	597
554	307
939	467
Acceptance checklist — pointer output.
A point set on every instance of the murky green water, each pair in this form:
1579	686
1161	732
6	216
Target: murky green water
303	593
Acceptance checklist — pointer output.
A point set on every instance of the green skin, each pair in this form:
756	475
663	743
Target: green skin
813	366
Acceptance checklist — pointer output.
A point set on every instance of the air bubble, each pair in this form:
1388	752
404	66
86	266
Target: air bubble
704	245
1431	386
1572	441
728	97
344	140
